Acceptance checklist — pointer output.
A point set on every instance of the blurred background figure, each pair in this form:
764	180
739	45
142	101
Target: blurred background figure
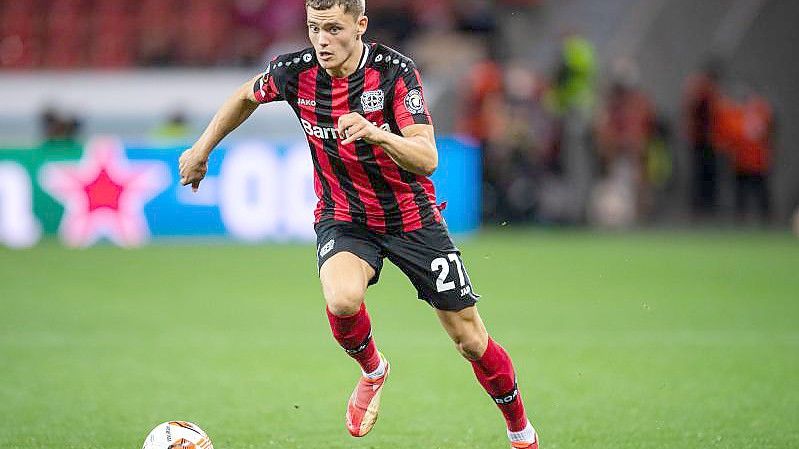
575	74
174	128
60	132
484	100
571	101
752	156
745	135
623	129
702	96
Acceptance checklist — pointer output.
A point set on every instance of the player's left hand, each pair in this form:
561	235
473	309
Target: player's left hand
354	126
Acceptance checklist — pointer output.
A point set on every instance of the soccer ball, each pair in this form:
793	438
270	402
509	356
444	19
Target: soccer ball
177	435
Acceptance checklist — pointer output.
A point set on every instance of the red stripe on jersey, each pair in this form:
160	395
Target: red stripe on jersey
411	219
375	217
401	115
307	90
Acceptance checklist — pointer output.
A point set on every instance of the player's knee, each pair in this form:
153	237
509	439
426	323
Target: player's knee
344	300
471	347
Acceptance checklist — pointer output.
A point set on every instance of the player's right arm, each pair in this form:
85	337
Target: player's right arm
237	108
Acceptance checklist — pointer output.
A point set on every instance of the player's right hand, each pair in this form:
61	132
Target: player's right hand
193	167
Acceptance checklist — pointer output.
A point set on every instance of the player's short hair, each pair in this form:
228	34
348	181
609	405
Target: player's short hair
355	7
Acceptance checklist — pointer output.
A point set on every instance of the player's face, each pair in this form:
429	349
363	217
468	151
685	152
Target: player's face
335	35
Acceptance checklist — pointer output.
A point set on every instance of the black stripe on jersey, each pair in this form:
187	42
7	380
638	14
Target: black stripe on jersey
324	117
366	156
292	94
388	84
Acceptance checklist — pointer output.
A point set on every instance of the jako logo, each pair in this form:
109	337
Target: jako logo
304	102
330	133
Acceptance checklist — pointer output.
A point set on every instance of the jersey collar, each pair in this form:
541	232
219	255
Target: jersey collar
364	56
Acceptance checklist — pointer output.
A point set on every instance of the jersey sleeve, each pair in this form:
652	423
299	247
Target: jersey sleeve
410	107
267	87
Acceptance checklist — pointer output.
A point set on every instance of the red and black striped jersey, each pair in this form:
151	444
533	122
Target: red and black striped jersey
358	182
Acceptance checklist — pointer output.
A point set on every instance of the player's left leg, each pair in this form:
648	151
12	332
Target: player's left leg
494	370
434	266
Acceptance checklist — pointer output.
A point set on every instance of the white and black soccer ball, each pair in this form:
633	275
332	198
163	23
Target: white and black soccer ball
177	435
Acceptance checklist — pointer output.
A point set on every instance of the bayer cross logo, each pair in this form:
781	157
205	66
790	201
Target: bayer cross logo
373	101
414	102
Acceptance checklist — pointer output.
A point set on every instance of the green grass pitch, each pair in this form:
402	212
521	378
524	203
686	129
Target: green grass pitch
650	340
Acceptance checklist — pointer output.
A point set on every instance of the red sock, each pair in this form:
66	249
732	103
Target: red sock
354	334
494	371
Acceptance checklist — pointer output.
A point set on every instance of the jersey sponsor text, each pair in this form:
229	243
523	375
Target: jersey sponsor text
331	133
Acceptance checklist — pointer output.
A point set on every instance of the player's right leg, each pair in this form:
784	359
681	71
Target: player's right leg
348	264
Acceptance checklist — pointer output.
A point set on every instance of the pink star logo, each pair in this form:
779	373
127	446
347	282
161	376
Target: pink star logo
104	194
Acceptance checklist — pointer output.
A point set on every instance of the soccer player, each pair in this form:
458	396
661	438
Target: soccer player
373	147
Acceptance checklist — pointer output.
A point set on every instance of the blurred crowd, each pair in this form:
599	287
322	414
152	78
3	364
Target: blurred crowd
564	148
560	145
64	34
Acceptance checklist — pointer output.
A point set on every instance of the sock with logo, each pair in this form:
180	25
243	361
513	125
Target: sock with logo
494	371
354	334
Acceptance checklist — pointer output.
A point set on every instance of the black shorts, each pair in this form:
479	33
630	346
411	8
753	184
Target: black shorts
427	256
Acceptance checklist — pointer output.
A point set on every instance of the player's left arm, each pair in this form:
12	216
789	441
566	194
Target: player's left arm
415	150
